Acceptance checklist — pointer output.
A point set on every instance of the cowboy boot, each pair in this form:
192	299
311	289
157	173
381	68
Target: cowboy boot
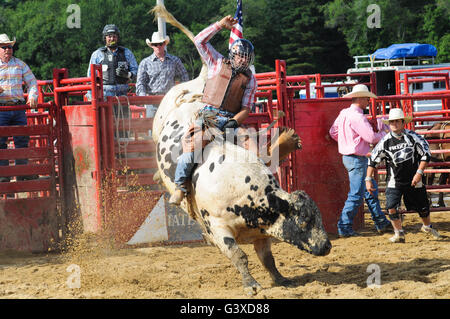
178	195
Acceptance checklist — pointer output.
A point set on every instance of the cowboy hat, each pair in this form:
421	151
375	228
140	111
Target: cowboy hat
4	39
157	38
397	114
360	90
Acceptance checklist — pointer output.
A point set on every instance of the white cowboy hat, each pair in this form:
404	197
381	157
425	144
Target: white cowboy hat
157	38
360	90
4	39
397	114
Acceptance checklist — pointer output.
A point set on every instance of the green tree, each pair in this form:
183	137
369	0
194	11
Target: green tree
402	21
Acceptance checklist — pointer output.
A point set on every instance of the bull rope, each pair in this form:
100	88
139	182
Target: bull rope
180	98
123	142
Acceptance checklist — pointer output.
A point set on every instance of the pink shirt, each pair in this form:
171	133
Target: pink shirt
353	132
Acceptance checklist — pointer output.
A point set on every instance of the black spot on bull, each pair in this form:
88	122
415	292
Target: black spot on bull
169	159
222	159
247	179
205	215
230	242
211	167
254	216
158	153
278	204
176	133
268	190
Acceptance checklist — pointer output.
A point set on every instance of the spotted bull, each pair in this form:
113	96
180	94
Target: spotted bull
235	201
233	195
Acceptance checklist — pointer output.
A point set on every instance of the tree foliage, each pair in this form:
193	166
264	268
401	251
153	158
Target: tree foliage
313	36
402	21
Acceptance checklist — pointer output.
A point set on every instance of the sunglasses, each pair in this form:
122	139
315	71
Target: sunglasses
6	47
157	44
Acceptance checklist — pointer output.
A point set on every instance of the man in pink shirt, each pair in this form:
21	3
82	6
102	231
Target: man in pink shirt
354	134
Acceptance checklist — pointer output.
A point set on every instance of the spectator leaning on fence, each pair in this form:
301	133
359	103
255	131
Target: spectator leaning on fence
13	73
406	154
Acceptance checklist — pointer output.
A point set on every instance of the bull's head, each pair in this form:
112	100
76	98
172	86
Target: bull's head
299	223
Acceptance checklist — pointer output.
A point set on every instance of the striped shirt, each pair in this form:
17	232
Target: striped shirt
158	77
213	60
12	76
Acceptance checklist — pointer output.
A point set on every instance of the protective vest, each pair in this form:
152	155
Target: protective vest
225	91
110	64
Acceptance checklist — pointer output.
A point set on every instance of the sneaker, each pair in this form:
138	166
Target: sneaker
431	231
398	238
177	197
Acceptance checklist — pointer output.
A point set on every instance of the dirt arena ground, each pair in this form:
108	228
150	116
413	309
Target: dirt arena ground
420	268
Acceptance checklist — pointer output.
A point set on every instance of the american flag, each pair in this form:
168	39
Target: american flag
237	31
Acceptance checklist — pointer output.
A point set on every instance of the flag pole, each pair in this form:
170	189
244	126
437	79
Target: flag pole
161	22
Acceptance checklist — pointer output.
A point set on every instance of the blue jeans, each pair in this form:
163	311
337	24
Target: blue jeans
357	167
186	161
185	166
8	118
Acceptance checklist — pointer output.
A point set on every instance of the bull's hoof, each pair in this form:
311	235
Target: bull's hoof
253	289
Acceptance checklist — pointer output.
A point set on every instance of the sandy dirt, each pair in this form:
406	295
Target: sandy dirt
420	268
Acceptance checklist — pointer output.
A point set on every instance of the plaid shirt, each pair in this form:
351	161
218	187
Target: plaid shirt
158	77
213	60
12	75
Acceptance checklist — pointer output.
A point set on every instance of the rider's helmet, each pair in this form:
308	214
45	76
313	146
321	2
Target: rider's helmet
241	55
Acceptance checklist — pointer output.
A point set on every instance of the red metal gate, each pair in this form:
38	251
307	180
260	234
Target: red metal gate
30	210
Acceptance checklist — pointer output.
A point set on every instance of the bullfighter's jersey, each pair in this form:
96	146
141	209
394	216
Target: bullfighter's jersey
402	156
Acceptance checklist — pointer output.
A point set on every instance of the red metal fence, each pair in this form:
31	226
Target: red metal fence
96	164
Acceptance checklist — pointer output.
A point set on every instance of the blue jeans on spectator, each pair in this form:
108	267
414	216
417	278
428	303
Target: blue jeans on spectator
357	168
8	118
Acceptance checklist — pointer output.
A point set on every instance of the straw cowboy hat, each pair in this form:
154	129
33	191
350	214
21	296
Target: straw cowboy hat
397	114
4	39
157	38
360	90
